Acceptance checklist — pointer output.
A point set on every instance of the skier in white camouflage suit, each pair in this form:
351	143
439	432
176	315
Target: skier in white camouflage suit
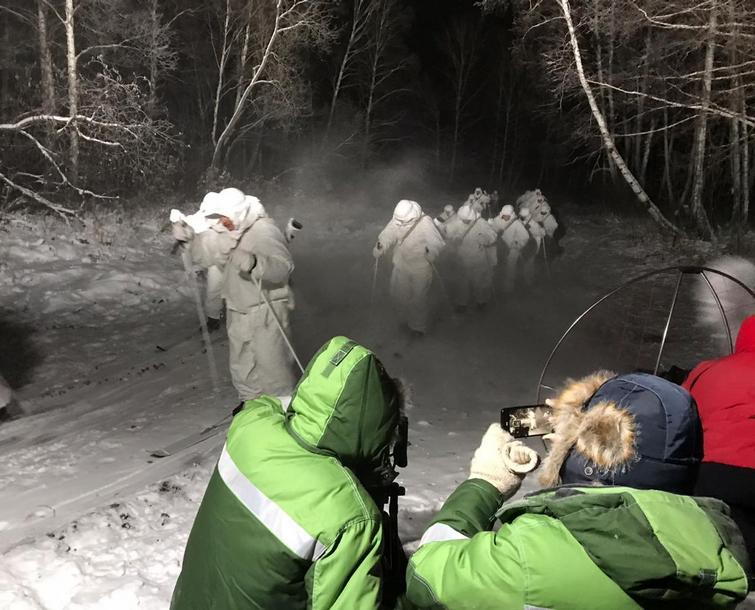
447	214
474	241
251	251
515	238
416	243
537	233
532	200
548	221
479	201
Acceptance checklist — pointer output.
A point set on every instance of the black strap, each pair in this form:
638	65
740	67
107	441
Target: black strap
463	237
409	232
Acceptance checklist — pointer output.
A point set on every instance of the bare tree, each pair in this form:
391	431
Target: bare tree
459	43
701	131
608	140
356	44
45	60
111	140
676	108
309	19
383	67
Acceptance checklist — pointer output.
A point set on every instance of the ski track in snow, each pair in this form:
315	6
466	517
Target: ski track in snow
89	520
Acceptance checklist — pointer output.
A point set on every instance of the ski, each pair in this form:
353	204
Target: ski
215	336
191	440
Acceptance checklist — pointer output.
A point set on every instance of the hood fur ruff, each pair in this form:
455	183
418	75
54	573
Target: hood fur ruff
605	434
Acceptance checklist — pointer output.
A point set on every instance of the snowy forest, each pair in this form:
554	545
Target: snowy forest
123	98
203	203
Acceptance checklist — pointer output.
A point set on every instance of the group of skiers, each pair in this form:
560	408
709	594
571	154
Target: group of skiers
248	267
471	245
292	515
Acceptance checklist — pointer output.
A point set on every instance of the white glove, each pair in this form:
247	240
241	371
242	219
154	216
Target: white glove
292	228
502	461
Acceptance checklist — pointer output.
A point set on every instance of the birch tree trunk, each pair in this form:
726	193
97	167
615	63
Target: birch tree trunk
73	93
646	152
360	17
745	168
735	144
223	141
154	18
608	141
244	55
668	148
611	104
45	60
224	54
601	74
457	124
506	131
369	108
701	133
497	128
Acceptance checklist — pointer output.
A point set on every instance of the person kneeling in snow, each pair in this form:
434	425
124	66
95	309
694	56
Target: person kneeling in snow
613	528
288	520
238	237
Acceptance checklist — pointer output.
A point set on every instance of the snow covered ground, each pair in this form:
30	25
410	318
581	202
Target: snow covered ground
102	332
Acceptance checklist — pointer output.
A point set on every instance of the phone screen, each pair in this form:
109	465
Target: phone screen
526	420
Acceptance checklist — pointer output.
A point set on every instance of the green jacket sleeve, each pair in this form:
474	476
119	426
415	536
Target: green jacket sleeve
348	575
448	570
470	508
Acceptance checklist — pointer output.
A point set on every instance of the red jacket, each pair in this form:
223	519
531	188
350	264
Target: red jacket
724	390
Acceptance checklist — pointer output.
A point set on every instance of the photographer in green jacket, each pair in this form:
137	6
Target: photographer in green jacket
289	518
612	530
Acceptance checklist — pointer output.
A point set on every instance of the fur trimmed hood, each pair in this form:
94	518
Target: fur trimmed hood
567	422
637	430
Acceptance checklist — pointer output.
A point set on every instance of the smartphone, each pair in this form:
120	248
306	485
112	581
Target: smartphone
526	420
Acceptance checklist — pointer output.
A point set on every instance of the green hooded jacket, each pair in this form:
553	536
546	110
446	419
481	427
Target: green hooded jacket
585	548
285	522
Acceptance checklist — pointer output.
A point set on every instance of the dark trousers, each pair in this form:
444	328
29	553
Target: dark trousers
735	486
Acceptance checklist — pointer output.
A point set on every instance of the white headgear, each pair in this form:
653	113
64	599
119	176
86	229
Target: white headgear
407	211
230	202
468	214
524	213
507	210
256	208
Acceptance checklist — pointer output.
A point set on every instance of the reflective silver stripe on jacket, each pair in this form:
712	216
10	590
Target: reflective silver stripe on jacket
272	516
441	532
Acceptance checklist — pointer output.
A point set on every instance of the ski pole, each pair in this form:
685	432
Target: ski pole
374	282
278	323
545	258
186	258
440	282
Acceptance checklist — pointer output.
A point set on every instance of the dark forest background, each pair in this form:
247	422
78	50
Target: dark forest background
646	100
